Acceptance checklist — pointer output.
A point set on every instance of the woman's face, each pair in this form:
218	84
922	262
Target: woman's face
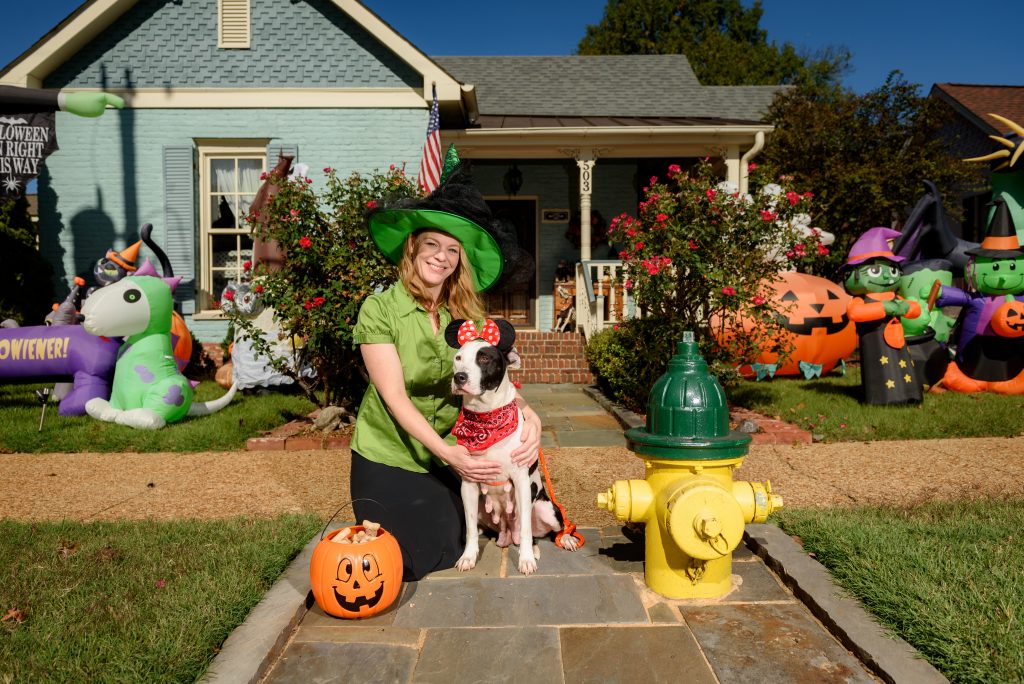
437	257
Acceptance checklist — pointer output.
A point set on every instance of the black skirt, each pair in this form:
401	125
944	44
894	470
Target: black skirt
422	510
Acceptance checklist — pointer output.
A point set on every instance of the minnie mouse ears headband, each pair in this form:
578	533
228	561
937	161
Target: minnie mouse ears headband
499	333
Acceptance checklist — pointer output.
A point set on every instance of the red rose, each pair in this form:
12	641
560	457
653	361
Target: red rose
319	301
710	193
327	169
792	197
728	291
693	245
305	242
372	204
768	215
661	218
259	289
246	265
307	305
758	300
751	166
229	295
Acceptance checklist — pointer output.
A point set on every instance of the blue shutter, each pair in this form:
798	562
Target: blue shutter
180	221
278	148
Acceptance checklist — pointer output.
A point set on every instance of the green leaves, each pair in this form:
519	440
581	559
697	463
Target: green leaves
332	264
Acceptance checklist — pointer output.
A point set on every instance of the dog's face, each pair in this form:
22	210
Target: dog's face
480	367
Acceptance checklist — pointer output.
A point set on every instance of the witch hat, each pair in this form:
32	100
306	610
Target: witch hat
126	257
456	208
874	243
1001	241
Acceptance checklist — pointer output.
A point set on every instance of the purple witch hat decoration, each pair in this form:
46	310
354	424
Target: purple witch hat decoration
874	243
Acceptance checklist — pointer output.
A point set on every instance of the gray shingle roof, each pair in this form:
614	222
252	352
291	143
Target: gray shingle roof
607	85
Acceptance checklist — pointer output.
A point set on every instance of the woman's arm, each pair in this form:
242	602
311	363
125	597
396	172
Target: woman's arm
385	370
527	453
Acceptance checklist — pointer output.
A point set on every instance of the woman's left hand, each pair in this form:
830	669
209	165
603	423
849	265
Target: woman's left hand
527	453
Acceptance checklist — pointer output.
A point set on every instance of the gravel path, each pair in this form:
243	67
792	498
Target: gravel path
217	485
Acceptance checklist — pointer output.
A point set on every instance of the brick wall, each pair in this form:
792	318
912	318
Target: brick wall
552	358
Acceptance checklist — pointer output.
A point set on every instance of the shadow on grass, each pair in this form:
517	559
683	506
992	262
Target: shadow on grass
830	388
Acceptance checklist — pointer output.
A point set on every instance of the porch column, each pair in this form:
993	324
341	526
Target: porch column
585	160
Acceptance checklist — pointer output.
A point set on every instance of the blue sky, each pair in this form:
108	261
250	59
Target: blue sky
940	41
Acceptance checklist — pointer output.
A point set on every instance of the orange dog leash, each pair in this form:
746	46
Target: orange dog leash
567	526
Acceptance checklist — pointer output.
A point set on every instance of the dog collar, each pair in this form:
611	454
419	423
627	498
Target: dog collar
478	431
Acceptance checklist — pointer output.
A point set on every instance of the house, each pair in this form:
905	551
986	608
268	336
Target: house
216	88
968	134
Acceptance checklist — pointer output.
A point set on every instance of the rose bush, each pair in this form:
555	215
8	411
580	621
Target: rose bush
330	267
698	256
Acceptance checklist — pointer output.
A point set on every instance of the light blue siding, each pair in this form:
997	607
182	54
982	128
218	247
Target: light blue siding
109	172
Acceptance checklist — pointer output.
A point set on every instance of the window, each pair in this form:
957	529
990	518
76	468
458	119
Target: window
229	178
233	24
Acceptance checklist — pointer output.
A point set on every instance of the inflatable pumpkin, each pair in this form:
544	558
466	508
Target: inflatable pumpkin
1008	319
355	580
813	312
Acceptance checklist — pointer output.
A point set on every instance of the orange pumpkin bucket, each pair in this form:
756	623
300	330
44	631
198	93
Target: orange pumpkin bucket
355	580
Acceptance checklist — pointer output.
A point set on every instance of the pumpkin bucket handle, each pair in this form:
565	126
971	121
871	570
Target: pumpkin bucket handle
343	506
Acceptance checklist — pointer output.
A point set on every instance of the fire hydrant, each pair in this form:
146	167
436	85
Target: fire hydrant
694	512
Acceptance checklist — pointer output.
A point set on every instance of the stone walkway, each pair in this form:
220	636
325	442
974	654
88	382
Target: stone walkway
586	616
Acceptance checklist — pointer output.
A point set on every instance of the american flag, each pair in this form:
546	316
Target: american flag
430	165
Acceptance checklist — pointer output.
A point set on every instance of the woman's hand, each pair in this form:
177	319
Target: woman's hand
469	467
527	453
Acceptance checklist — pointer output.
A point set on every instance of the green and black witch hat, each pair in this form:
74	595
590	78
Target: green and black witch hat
455	208
1001	241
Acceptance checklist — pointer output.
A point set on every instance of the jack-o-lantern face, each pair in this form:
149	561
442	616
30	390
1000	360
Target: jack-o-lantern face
356	580
805	311
1008	319
360	583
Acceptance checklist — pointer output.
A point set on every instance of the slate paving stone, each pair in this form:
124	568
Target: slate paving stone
490	656
483	602
620	554
662	612
598	555
352	632
759	584
591	438
303	663
601	421
488	563
548	440
613	655
778	642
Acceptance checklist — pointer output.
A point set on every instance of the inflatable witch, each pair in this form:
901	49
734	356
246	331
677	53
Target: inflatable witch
872	276
990	344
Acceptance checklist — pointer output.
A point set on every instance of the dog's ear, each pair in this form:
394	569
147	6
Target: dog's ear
514	360
451	333
507	335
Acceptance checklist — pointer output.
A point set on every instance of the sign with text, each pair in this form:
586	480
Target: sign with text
26	140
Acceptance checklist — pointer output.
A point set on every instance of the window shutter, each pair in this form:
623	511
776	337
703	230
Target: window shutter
233	23
180	221
278	148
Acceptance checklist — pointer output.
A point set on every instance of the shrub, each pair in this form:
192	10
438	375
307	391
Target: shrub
626	360
699	256
331	265
26	288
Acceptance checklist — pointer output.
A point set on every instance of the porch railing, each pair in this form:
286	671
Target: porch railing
601	300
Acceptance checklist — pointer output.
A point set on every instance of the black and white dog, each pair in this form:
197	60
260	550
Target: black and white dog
516	506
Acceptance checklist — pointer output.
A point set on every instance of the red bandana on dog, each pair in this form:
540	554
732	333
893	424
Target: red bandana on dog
478	431
489	333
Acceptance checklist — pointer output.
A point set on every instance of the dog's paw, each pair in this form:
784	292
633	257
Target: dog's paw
466	563
527	565
569	542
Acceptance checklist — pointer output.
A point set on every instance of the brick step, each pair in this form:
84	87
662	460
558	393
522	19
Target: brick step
552	358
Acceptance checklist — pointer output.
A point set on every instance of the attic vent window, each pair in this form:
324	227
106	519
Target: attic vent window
233	23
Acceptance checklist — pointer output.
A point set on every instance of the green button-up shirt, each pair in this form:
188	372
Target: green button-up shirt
394	317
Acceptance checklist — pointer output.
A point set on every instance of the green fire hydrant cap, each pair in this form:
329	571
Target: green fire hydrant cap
687	415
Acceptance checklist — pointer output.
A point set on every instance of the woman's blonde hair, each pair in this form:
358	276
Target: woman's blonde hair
458	291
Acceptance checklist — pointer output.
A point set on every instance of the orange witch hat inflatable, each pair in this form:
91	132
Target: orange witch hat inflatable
125	258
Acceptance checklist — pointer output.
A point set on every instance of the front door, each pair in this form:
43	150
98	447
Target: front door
514	299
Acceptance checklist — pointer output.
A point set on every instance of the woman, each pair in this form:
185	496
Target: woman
446	252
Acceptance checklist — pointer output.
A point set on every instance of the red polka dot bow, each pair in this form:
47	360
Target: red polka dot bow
489	333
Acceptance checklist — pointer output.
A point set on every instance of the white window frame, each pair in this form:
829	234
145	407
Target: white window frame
209	151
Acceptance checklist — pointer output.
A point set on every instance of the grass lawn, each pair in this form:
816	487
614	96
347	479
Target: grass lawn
946	577
830	407
248	415
133	601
